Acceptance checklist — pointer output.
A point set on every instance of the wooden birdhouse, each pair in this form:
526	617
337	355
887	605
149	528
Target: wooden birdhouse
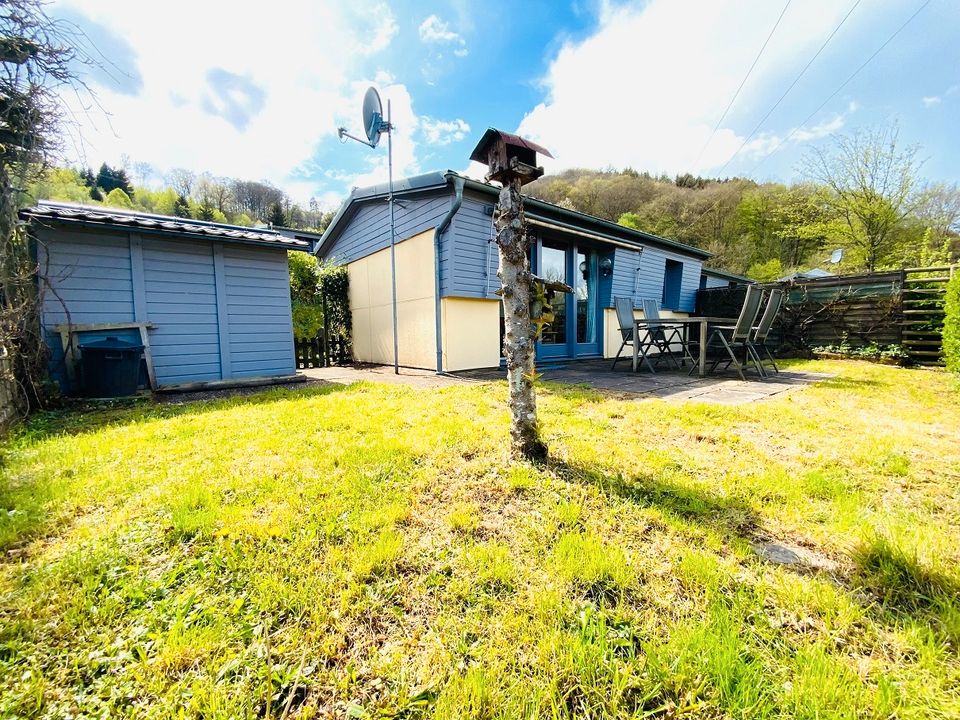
508	156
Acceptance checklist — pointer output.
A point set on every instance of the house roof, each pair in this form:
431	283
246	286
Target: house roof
532	207
100	216
723	275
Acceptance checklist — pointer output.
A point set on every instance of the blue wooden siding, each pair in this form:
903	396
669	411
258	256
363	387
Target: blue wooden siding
715	282
181	300
200	335
368	231
640	275
91	276
258	311
469	258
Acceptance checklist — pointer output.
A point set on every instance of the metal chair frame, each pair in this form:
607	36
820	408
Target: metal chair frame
660	337
762	330
739	336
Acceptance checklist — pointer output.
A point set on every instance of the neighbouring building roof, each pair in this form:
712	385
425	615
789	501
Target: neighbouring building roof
806	275
118	218
723	275
534	208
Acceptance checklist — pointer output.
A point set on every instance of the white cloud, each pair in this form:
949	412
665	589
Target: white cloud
766	143
383	31
172	121
657	110
433	29
443	132
931	100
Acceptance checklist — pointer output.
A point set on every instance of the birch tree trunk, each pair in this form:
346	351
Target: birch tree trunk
519	344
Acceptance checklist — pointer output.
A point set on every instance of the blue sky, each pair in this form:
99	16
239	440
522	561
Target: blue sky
259	93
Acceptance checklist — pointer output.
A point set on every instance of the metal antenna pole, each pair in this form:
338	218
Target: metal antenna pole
393	242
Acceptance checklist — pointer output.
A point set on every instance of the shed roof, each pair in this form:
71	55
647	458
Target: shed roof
724	275
100	216
539	208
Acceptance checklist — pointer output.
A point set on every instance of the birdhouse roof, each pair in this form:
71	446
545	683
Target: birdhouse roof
480	151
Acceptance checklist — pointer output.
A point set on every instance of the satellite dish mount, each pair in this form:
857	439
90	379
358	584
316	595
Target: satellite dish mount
373	127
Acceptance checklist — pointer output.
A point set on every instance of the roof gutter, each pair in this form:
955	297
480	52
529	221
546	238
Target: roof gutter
437	233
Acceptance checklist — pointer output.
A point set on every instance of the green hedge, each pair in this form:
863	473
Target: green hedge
951	324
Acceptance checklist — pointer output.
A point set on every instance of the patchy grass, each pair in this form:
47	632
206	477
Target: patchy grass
368	552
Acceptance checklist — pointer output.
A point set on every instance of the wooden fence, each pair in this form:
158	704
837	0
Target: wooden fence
320	352
901	307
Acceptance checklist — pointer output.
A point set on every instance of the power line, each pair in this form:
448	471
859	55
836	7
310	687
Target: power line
742	83
820	107
792	85
842	86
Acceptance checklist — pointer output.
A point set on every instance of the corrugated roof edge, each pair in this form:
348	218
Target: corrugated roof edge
99	216
724	275
436	179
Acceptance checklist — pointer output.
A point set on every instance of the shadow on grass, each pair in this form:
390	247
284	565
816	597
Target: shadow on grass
678	501
900	581
849	383
82	416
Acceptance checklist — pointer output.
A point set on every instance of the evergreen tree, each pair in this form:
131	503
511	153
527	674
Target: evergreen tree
181	208
205	212
109	179
275	216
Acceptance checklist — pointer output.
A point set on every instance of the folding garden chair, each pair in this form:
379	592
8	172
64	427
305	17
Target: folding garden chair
737	337
624	307
659	337
762	330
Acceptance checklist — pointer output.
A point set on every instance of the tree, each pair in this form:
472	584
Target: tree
182	180
939	213
276	216
110	179
37	63
872	185
181	208
519	345
118	198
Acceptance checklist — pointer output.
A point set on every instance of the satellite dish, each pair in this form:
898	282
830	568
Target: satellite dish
372	116
836	256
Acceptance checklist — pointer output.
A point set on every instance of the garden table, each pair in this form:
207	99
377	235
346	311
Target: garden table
688	323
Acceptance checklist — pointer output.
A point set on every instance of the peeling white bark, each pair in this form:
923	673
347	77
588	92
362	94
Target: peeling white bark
519	344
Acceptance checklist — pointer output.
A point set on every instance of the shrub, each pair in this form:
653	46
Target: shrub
951	325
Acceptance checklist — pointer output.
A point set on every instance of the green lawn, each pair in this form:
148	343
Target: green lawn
368	551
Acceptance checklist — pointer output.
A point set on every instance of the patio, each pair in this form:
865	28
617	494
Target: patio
673	385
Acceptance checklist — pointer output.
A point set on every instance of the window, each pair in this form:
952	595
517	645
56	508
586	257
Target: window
672	280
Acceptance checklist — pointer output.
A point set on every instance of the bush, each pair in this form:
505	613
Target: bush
951	325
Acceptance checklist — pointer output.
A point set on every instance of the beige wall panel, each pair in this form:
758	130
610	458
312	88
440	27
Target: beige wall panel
417	334
359	289
415	258
371	305
378	276
361	334
471	333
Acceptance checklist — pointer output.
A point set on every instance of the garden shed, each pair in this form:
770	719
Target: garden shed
210	302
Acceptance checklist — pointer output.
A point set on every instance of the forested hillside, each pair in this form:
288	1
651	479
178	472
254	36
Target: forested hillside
185	194
861	193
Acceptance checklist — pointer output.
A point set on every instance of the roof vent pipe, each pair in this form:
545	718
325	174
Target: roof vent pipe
441	228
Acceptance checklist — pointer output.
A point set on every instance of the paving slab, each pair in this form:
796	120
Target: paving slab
669	385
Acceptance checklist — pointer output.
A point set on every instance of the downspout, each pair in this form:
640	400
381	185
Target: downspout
441	228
